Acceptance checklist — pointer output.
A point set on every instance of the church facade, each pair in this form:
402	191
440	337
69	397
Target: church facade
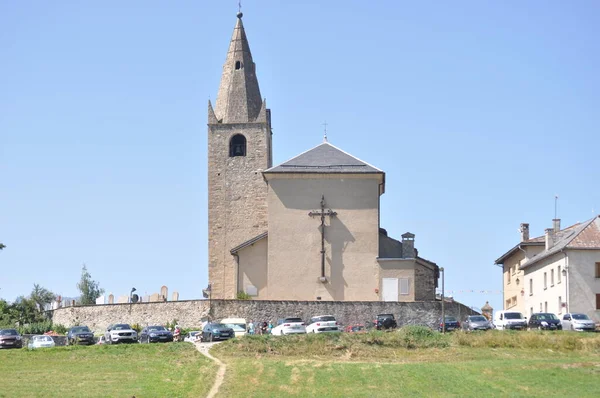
307	229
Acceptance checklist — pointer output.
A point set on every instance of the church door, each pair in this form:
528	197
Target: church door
390	289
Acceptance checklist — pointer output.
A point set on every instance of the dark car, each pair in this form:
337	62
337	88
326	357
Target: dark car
385	322
10	338
476	322
544	321
450	324
155	334
80	335
217	331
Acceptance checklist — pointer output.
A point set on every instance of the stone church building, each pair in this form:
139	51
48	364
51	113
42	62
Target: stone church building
307	229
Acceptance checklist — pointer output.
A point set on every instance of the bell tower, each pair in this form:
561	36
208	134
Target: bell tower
239	148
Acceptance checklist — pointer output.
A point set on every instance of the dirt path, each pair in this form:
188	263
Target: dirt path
203	348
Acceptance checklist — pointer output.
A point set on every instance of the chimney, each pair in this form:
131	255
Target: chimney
408	245
524	232
549	238
556	224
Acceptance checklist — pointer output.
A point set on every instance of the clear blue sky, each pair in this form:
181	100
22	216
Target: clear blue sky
479	112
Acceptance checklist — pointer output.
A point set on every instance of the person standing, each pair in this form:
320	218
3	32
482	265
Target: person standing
251	327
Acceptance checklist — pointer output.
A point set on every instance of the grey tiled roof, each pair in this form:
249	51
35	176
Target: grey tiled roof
584	235
324	158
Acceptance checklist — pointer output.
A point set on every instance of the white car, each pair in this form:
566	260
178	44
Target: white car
41	342
322	324
575	321
193	336
289	326
120	333
237	324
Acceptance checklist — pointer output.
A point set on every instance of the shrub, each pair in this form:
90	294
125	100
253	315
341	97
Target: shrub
243	295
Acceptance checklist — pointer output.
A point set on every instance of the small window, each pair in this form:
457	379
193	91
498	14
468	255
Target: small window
551	277
404	286
597	270
598	301
237	146
558	275
545	306
530	311
531	286
238	65
508	277
545	281
559	304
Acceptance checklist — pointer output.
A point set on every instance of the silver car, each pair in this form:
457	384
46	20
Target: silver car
579	322
120	333
476	322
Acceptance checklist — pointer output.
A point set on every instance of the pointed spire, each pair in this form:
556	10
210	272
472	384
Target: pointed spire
239	99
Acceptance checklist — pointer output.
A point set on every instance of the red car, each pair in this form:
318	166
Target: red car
355	329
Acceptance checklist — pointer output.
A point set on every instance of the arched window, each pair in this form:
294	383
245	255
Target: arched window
237	146
238	65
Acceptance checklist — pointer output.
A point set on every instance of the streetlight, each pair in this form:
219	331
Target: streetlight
443	314
133	289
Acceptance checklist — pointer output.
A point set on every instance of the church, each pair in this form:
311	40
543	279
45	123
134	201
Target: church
306	229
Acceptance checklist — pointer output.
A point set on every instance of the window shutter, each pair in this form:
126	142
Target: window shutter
404	286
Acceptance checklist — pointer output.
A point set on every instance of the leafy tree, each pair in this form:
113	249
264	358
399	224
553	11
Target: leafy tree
2	246
89	288
41	296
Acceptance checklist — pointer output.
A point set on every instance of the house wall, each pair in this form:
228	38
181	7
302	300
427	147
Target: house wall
511	272
582	281
253	268
398	269
351	237
541	294
425	283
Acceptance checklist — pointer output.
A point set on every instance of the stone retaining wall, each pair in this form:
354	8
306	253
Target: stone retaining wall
191	313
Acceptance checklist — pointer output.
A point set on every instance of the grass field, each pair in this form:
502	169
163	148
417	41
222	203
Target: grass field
141	370
413	364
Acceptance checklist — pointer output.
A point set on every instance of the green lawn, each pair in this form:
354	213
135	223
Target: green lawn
143	370
380	365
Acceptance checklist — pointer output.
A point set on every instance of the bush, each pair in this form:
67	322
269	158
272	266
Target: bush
243	296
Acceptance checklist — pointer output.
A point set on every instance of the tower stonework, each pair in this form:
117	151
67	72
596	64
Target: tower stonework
239	149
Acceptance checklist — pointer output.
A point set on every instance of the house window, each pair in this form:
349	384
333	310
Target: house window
540	307
507	305
238	65
530	311
531	286
508	277
559	304
513	269
237	146
545	281
597	270
404	286
551	277
598	301
514	301
558	275
545	306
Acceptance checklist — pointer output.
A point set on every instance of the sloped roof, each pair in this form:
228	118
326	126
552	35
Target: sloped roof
249	242
324	158
584	235
539	241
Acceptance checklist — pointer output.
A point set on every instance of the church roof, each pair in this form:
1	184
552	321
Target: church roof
325	158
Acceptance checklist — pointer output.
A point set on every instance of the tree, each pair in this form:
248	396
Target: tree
89	288
41	296
2	246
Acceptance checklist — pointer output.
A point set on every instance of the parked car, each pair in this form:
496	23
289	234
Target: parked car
544	321
504	320
238	325
322	323
355	329
155	334
385	322
577	321
193	336
80	335
10	338
289	326
120	333
40	341
449	324
216	331
476	322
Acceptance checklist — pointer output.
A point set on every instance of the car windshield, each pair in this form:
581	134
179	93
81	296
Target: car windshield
326	318
385	316
513	315
81	329
121	326
477	318
8	332
218	325
450	319
580	317
286	320
547	316
238	327
156	328
42	338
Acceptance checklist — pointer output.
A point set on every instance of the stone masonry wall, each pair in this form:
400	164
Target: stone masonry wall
191	313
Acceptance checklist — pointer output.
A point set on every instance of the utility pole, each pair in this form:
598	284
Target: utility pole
443	300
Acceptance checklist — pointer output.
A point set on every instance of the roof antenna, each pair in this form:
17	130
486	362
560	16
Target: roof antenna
555	206
325	134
